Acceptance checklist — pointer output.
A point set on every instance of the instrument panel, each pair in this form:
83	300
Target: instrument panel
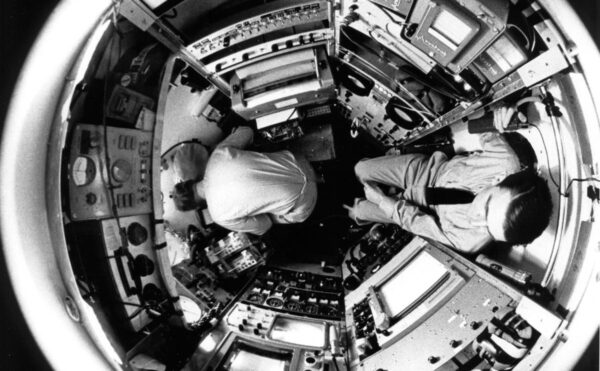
278	19
128	173
300	293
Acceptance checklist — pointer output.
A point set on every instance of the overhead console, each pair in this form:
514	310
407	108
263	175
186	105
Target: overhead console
440	61
454	33
111	198
260	31
291	80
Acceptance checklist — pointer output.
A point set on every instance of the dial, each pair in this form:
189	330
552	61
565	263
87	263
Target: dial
83	171
274	302
121	170
191	311
143	265
137	234
292	306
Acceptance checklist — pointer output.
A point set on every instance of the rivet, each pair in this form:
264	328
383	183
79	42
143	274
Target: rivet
72	309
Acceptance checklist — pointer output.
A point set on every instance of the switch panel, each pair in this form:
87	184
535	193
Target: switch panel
128	155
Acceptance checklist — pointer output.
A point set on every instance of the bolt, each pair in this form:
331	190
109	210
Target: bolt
433	359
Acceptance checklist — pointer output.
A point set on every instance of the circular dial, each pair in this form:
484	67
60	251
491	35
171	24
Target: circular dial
191	311
143	265
274	302
121	170
83	171
311	309
293	306
137	234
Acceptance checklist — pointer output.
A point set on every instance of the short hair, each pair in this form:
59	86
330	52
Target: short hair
530	209
184	196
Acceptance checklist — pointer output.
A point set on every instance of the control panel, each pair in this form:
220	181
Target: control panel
112	171
364	329
235	254
421	310
302	293
270	48
454	33
372	251
134	266
368	113
295	79
282	18
251	320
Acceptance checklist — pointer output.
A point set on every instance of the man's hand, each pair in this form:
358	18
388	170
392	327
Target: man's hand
503	116
373	193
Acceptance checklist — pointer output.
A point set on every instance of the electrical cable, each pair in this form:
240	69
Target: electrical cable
291	114
335	362
190	141
571	181
209	119
515	27
173	14
548	162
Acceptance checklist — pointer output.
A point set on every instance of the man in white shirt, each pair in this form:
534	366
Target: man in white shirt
247	191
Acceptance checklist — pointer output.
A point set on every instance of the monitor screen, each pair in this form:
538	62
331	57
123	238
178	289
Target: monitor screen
246	357
305	333
411	284
449	29
506	54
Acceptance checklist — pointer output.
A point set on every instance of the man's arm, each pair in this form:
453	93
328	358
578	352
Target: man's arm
413	219
257	224
406	214
240	138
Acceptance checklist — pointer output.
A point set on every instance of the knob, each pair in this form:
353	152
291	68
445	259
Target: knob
367	248
256	331
377	233
351	282
95	139
151	292
91	198
455	343
136	233
143	265
244	321
259	326
241	327
121	170
433	359
474	325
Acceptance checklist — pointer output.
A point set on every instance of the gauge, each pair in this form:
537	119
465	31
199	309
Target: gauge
137	234
274	302
143	265
121	170
191	311
311	309
83	171
292	306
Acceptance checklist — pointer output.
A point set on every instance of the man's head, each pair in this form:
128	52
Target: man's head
188	195
519	208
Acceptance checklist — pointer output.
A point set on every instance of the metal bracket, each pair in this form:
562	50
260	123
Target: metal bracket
137	14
